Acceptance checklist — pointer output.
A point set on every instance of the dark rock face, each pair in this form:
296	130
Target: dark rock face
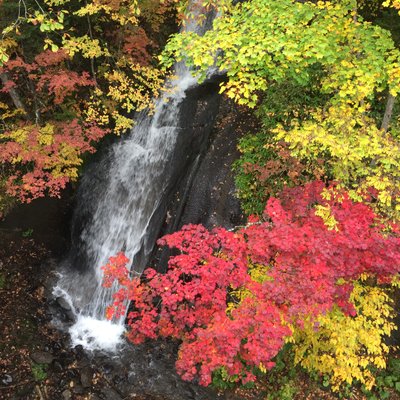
211	200
63	303
206	195
45	220
198	113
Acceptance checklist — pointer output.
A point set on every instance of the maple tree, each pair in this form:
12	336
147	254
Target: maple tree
234	298
70	73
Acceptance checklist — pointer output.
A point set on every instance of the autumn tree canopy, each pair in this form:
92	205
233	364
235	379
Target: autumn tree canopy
70	73
350	64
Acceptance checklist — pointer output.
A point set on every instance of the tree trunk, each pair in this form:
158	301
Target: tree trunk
388	112
13	93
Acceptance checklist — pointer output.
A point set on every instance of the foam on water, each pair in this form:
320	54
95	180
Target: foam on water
95	334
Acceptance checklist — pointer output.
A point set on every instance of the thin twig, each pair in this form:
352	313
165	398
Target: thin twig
16	385
39	392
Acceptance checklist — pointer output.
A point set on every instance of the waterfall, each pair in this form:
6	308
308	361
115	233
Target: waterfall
117	202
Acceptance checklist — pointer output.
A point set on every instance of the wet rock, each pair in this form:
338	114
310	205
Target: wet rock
72	374
63	303
56	346
66	359
86	377
25	392
57	367
110	394
6	379
79	352
42	357
118	379
69	316
84	362
107	369
52	310
66	394
78	389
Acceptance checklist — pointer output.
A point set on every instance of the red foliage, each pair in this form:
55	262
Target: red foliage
307	267
61	84
47	76
136	46
47	167
41	165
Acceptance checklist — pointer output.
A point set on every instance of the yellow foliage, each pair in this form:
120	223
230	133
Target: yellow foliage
258	273
89	48
124	95
392	3
357	153
8	113
123	11
325	213
6	44
38	140
344	348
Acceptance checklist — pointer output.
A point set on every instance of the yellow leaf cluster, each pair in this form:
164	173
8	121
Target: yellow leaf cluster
325	213
123	95
38	140
123	11
89	48
6	44
392	3
355	150
258	273
344	348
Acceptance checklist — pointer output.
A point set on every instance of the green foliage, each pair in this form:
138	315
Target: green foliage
282	379
28	233
266	166
256	47
287	391
387	381
250	190
39	371
222	380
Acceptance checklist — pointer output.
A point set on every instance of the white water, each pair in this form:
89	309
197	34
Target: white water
132	180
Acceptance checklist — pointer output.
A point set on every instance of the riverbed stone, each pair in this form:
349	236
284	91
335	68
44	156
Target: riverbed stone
78	389
107	368
57	367
6	379
42	357
63	303
110	394
86	377
66	394
69	316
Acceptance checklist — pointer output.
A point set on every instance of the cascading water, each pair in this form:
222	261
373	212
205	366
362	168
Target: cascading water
123	192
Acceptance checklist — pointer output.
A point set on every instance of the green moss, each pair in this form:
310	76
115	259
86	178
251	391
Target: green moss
39	372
